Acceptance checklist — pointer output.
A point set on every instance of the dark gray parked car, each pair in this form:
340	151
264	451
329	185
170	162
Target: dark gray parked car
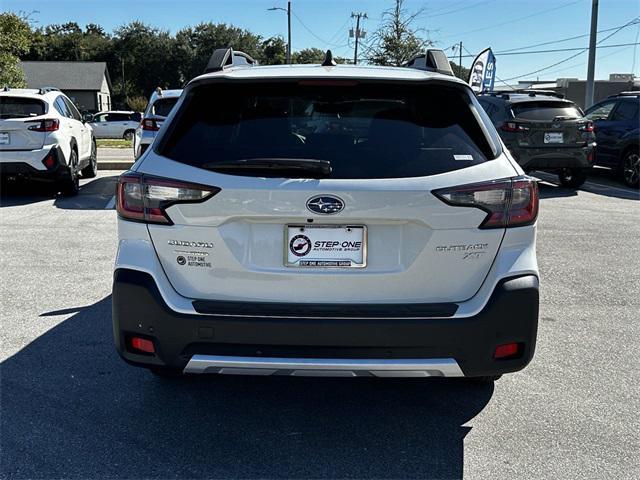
544	132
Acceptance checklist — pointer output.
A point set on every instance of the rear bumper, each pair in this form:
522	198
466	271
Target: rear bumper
554	158
324	343
19	166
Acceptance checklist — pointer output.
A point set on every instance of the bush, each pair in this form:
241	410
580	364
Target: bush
137	104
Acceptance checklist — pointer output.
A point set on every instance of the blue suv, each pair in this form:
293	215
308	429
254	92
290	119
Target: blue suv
618	134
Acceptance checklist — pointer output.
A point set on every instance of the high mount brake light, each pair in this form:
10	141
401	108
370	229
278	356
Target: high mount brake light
149	124
510	202
46	125
144	198
513	127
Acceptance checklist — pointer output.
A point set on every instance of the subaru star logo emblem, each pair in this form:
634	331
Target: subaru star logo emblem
325	204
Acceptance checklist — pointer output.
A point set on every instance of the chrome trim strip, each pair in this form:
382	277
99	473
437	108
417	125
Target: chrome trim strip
324	367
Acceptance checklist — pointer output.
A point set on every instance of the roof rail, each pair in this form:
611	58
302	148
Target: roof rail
222	58
625	94
433	60
43	90
524	91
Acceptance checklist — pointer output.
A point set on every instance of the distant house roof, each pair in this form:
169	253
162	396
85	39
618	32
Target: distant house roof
66	75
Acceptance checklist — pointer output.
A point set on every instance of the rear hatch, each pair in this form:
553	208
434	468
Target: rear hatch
19	117
281	226
549	124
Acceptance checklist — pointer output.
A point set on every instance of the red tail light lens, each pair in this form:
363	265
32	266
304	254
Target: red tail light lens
511	202
513	127
149	124
46	125
587	127
145	198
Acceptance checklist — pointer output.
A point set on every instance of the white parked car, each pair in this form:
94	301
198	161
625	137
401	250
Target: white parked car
115	124
158	109
44	138
398	240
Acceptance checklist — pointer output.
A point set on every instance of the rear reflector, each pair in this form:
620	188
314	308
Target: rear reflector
142	344
144	198
49	161
510	202
508	350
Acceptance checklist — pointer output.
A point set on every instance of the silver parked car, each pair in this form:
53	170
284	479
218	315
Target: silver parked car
115	124
160	105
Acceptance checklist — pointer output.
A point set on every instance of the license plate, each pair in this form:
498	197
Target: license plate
553	137
4	138
326	246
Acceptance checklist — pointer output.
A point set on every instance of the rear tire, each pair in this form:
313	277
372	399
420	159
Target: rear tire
128	135
71	186
91	170
572	177
630	167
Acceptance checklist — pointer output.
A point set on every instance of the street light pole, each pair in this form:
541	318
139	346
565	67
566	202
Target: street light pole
289	32
588	97
288	10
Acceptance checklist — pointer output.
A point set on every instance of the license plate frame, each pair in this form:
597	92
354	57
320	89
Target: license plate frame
5	138
323	262
553	137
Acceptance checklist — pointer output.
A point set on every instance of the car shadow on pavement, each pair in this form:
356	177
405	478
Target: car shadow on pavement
72	408
600	182
94	194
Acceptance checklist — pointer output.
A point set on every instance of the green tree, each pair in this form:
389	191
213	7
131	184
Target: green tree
308	55
273	52
396	41
15	40
460	71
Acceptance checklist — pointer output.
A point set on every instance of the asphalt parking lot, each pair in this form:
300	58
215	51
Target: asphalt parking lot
71	408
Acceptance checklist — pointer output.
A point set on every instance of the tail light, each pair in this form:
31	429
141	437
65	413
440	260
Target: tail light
149	124
511	202
587	127
513	127
46	125
144	198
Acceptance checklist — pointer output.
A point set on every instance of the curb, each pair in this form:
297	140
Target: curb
115	165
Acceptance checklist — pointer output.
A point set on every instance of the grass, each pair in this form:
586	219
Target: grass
114	143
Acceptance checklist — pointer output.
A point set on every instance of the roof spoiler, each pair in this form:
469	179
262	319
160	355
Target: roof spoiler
222	58
528	91
434	60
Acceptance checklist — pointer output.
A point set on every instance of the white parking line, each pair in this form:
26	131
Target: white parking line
112	203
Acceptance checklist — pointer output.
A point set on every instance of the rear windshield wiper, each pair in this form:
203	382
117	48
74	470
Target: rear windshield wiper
274	166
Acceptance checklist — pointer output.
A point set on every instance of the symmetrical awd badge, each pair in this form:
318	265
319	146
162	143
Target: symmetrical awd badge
325	204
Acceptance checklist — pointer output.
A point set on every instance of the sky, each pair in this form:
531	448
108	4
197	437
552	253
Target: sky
500	24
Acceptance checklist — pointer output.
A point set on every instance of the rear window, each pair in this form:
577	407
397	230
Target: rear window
19	107
545	111
363	130
162	107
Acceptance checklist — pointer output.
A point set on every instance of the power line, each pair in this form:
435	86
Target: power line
316	36
555	50
574	55
467	7
541	12
551	42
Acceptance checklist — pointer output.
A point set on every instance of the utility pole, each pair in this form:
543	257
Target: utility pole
460	64
288	10
591	69
358	33
289	32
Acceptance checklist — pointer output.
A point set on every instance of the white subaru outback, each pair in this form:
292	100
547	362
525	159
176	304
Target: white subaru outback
44	138
327	220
